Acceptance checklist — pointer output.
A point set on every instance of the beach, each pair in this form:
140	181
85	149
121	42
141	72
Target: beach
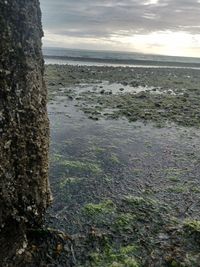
125	163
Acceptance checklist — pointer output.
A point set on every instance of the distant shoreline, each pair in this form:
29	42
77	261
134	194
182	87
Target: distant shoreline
117	62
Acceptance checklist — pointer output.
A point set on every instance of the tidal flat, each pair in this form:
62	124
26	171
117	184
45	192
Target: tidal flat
125	164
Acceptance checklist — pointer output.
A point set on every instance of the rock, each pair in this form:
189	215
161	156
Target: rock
51	84
119	106
186	95
141	95
134	83
125	83
157	104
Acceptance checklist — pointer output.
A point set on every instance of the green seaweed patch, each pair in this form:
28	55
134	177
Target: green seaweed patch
114	159
173	178
98	150
80	166
145	209
108	179
192	227
69	181
135	201
174	174
178	189
122	257
56	158
191	232
124	222
195	189
105	207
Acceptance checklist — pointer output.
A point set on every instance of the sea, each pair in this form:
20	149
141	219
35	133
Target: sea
62	56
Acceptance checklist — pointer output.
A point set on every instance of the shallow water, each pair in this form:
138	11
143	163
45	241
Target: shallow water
62	61
95	160
106	87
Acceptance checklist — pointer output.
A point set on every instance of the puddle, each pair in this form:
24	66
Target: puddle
106	87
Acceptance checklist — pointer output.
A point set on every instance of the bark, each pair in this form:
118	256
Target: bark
24	127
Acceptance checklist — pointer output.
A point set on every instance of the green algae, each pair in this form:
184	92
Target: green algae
104	207
80	166
179	188
69	181
135	201
98	150
114	158
122	257
192	226
124	222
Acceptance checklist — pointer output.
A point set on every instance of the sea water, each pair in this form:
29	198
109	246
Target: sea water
112	58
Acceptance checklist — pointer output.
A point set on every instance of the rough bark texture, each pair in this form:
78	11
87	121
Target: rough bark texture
24	129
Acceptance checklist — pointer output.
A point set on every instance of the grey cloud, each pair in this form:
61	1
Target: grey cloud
103	18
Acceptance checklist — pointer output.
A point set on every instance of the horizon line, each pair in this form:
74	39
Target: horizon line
117	51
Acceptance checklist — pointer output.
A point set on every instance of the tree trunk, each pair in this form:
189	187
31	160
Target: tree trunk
24	127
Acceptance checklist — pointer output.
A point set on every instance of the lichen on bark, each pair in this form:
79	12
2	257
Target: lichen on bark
24	126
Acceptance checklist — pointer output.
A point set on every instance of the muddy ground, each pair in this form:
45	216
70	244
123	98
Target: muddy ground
125	165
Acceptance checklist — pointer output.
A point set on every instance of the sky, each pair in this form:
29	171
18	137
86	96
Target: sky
167	27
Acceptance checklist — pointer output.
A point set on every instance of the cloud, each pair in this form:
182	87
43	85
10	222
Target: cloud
102	19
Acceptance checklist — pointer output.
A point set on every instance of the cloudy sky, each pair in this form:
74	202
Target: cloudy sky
169	27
